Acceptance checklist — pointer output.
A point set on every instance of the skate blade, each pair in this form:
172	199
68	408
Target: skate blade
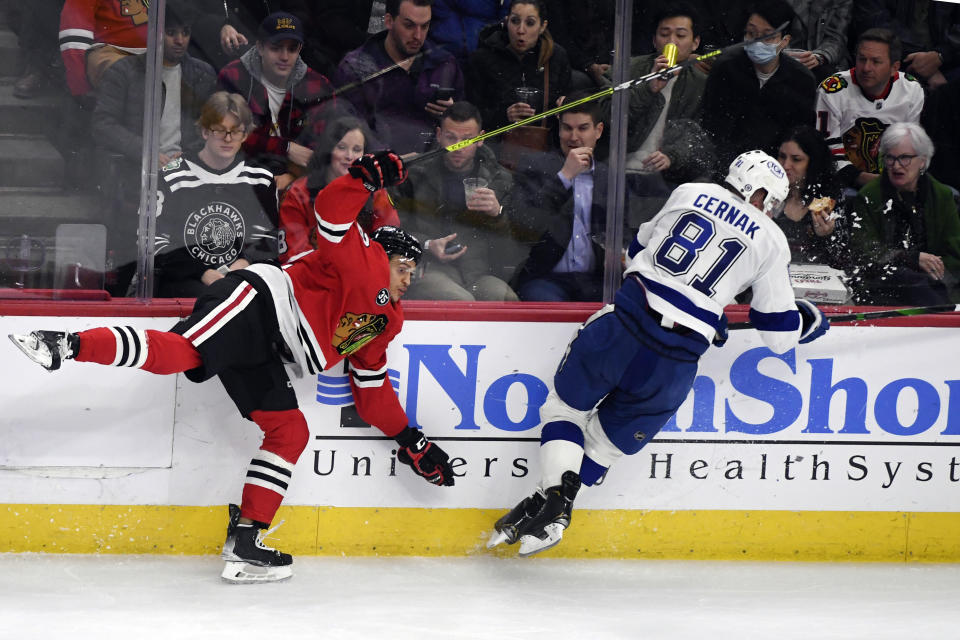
498	537
30	351
245	573
530	545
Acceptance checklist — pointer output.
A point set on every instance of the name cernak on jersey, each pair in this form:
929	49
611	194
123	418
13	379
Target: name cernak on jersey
723	210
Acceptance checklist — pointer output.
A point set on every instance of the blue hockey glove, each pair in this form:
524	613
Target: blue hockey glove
813	323
427	460
379	170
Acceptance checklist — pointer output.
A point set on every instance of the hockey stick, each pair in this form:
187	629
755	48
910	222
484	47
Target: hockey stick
664	74
873	315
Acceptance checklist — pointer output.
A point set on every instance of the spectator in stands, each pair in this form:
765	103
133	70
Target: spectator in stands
665	144
517	53
456	24
215	213
289	101
94	34
37	41
756	95
854	107
335	27
228	28
343	141
906	231
941	119
813	219
929	31
585	30
186	83
819	35
117	127
423	81
465	237
558	210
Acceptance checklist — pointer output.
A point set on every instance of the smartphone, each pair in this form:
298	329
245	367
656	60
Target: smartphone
453	247
443	93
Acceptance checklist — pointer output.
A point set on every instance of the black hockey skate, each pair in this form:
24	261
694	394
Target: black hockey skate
545	529
47	348
507	528
247	558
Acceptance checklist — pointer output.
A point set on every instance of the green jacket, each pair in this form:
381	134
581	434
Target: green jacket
880	233
425	213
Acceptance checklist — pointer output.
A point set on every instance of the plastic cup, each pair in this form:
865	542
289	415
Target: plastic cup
472	184
527	95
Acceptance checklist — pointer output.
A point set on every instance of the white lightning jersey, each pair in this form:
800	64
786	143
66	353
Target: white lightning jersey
852	122
704	247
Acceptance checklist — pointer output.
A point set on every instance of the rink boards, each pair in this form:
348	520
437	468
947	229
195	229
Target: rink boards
845	449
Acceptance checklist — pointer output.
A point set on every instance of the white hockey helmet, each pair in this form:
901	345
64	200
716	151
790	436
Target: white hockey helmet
755	170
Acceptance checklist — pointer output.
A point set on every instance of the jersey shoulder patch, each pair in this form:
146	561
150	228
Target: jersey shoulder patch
833	84
910	77
173	164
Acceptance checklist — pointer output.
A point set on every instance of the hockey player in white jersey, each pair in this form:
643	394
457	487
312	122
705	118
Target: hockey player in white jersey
633	362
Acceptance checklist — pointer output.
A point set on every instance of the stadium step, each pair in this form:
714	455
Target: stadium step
29	161
33	115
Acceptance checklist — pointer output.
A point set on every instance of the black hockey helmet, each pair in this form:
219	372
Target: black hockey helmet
396	241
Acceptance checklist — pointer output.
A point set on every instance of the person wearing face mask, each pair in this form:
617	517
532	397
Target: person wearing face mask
753	97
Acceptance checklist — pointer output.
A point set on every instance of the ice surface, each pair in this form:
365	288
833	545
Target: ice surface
145	597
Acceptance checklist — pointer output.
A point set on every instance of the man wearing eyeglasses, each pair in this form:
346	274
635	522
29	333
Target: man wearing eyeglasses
856	106
117	124
290	101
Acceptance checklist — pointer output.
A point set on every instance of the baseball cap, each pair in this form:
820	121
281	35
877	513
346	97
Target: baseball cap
280	26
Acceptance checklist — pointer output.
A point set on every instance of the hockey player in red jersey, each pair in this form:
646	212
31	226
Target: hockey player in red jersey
338	302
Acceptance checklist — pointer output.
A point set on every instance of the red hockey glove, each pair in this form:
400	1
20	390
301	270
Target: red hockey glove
425	458
379	170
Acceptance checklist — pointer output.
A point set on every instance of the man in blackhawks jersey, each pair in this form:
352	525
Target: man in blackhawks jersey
855	107
341	301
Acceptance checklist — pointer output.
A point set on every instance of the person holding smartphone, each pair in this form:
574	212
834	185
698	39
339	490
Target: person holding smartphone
453	202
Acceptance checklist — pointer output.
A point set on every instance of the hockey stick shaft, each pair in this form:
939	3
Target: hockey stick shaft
874	315
609	91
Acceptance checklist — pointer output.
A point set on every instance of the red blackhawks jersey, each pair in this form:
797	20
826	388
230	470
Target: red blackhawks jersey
334	303
85	23
853	122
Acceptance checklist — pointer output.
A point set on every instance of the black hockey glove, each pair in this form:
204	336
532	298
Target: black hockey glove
379	170
813	323
425	458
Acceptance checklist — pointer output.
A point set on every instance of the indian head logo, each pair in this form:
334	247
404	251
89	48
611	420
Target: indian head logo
136	10
357	329
861	143
214	233
833	84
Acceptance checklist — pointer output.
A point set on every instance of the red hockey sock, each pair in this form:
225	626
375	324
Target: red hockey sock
159	352
285	436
